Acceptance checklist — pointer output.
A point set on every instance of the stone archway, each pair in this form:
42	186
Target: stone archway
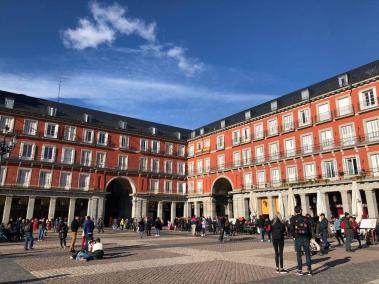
223	200
119	200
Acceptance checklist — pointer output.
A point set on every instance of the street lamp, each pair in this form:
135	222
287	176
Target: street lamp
6	148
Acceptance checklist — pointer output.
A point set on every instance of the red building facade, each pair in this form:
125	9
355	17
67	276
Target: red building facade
320	143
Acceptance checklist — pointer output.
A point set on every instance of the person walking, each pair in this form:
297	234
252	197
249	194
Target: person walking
349	233
149	224
62	233
262	228
323	231
268	228
278	230
122	224
28	233
158	227
204	226
356	231
337	228
74	233
300	229
141	228
88	228
100	225
193	225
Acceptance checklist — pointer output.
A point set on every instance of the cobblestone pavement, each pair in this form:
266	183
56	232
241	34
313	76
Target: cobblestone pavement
180	258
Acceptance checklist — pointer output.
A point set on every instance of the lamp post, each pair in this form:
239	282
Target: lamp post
6	148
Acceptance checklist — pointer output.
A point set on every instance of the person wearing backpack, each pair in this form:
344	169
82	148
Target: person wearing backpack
300	228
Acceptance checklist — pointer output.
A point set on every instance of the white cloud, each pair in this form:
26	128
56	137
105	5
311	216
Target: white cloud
110	22
181	104
87	35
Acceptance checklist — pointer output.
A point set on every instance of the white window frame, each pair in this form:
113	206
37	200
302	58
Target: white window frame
168	169
87	181
85	131
324	170
246	135
101	163
33	127
363	101
143	144
28	177
220	142
236	137
344	110
155	146
143	164
53	153
155	161
261	183
122	162
32	152
287	122
307	149
260	158
55	135
314	171
326	144
48	180
199	167
258	134
221	164
307	118
199	186
69	133
276	154
324	115
276	182
64	149
237	158
89	159
124	141
345	165
272	126
289	178
66	186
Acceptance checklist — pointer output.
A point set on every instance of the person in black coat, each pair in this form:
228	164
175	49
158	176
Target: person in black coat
278	230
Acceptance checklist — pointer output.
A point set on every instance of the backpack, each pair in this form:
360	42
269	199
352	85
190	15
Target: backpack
301	227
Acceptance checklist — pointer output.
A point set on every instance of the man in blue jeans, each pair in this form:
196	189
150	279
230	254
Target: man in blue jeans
323	230
88	228
300	229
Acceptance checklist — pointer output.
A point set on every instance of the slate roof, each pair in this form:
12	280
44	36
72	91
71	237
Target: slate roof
67	112
356	75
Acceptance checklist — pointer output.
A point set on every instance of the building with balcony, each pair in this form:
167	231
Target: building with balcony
317	142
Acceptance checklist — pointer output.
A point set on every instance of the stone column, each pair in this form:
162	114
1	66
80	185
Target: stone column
305	203
134	208
197	208
271	207
346	201
185	210
30	211
372	205
173	211
100	208
94	204
53	202
285	201
89	207
160	209
230	209
325	199
144	208
71	210
7	209
246	203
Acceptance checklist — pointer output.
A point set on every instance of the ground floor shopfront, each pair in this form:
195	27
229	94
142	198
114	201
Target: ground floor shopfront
48	203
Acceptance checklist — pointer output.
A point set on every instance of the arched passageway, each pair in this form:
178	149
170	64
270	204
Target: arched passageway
223	200
119	200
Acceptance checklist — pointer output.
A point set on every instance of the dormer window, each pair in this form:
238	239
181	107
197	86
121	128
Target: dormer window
122	124
51	111
193	134
305	95
222	123
153	130
201	131
178	135
343	80
274	105
87	118
9	103
247	114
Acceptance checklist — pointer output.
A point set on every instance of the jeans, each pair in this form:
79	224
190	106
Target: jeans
302	244
324	239
348	238
28	242
339	237
263	231
141	233
157	232
63	242
40	234
278	247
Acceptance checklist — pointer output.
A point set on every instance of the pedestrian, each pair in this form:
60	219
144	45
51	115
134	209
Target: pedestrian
100	225
88	228
337	228
122	224
278	230
148	226
28	231
261	227
158	227
141	228
356	230
40	230
74	233
268	228
193	225
62	233
349	233
300	229
203	227
323	231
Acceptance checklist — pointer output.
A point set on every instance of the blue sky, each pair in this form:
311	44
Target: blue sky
184	63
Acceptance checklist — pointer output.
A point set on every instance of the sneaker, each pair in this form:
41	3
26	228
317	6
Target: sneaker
299	273
277	270
283	271
309	273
